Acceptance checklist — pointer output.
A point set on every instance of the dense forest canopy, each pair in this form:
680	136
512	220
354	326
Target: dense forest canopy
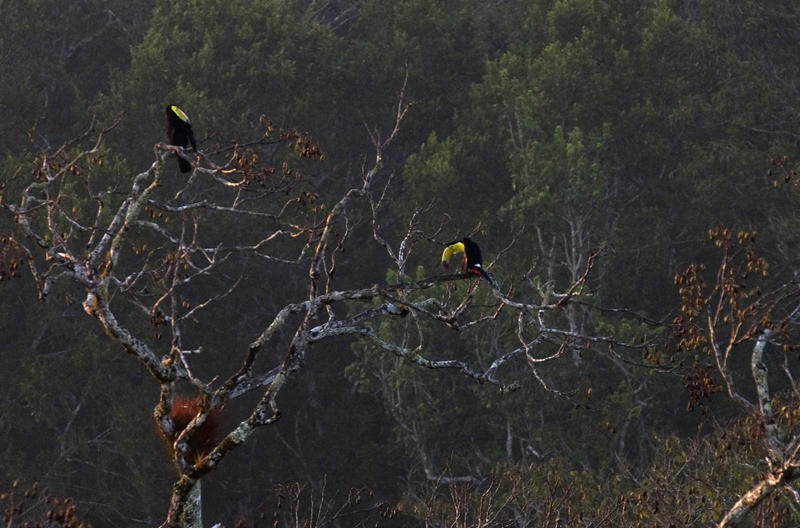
627	168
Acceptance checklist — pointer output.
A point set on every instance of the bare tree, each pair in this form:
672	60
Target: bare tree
145	251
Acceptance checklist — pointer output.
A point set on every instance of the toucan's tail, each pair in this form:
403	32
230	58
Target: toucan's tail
486	275
489	276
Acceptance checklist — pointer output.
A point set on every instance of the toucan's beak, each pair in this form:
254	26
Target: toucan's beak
446	265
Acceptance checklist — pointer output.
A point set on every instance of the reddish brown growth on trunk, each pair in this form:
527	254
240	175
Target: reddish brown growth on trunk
184	409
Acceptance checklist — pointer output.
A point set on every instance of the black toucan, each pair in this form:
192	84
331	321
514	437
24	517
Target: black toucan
179	131
472	256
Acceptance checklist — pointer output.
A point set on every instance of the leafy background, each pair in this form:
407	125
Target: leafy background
568	125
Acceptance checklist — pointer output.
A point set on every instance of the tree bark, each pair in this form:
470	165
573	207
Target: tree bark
186	506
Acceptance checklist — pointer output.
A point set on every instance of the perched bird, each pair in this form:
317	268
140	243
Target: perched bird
179	132
472	256
472	259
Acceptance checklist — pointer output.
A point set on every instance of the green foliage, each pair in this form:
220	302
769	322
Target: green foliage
559	177
58	55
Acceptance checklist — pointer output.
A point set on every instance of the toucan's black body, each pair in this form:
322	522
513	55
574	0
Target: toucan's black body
472	254
472	258
179	132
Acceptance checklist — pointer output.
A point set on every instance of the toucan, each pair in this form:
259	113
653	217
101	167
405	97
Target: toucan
179	131
472	256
